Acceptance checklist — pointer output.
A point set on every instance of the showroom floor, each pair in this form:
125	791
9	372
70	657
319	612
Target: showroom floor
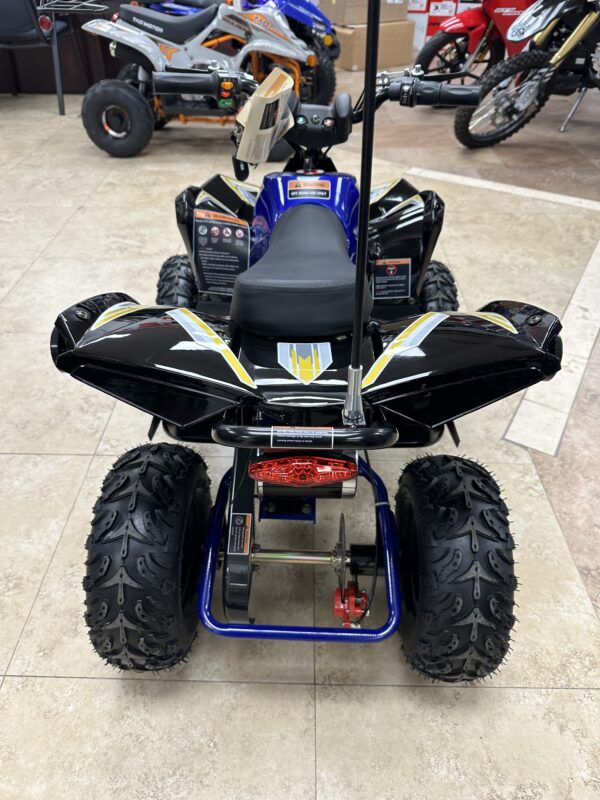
278	720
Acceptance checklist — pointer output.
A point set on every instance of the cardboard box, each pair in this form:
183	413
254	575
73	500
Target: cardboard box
354	12
395	45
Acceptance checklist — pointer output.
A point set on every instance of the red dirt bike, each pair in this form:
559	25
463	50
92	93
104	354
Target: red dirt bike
471	42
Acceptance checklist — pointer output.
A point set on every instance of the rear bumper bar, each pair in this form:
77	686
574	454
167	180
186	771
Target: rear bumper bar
281	437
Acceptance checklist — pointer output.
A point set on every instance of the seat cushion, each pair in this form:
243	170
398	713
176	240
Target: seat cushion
304	285
172	28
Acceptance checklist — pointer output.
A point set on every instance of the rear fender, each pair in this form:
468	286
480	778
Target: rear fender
473	23
130	37
170	362
438	367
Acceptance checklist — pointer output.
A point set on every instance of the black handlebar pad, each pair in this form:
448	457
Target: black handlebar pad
206	83
415	92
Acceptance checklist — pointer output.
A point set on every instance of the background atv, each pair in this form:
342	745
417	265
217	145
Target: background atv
120	115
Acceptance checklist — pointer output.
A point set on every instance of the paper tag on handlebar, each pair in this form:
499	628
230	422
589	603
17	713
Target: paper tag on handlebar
221	249
391	278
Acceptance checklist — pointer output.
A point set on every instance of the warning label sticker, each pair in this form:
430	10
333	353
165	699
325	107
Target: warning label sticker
305	188
240	528
221	249
391	278
301	437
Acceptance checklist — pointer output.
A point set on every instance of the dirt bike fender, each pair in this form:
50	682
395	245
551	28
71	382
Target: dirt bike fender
137	40
473	23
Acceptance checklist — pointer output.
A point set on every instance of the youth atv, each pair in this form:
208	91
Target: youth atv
301	382
305	19
226	223
120	115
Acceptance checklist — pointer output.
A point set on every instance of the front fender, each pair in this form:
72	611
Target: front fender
170	362
131	37
295	50
305	12
473	23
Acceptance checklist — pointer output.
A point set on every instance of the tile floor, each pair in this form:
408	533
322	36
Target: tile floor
273	720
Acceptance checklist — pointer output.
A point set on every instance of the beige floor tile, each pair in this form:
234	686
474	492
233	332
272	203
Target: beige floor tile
560	392
44	185
11	269
457	744
537	426
109	233
45	411
62	282
55	641
556	642
36	494
25	231
580	330
143	739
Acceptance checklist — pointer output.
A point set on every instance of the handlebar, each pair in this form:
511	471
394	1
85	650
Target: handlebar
409	91
214	83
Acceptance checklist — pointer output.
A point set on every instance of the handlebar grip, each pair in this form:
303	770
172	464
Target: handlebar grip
459	95
409	91
206	83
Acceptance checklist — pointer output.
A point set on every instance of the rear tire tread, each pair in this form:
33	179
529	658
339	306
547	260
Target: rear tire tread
133	601
460	629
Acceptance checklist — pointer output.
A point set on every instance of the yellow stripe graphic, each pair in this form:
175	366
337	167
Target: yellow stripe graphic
497	319
211	339
410	337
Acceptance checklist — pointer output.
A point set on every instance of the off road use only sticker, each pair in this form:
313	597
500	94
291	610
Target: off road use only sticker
302	437
391	278
221	249
307	188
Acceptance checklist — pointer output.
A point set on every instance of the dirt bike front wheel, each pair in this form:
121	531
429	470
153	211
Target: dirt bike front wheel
448	53
513	92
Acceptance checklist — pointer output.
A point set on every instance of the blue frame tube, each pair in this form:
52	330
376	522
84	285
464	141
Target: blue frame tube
386	531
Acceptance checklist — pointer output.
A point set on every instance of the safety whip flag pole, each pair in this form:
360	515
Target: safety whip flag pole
353	410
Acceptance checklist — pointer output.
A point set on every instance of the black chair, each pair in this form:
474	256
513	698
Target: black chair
20	28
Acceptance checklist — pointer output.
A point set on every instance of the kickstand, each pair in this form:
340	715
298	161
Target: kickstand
572	112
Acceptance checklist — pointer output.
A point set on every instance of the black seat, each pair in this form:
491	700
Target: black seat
173	29
304	285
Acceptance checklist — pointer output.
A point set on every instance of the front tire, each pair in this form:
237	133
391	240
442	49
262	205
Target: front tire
447	52
117	118
457	569
439	292
324	83
177	284
129	74
498	102
144	557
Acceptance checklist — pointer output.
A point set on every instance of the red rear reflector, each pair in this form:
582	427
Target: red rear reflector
45	23
302	470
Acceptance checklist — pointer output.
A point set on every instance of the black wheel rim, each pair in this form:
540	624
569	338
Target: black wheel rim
498	113
115	122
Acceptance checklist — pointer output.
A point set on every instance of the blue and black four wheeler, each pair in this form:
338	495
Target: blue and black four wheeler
302	380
